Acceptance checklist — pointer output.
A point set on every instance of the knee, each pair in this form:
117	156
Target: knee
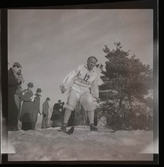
87	98
69	107
87	103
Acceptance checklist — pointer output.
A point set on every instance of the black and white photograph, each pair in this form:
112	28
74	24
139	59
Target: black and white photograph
80	85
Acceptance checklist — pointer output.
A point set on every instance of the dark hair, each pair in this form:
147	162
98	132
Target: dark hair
16	66
92	57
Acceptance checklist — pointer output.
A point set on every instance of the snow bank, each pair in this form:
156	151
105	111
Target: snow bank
51	145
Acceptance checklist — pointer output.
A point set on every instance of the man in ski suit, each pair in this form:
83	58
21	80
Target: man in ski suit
83	89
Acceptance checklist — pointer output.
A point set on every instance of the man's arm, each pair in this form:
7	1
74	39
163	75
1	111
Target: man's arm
12	80
43	108
69	78
39	107
27	96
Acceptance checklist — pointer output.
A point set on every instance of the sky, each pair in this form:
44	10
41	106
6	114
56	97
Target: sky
49	43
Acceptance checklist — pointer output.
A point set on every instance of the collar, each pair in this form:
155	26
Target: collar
38	95
85	65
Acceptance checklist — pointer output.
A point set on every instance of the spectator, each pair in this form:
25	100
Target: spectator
45	112
27	107
14	79
57	113
36	107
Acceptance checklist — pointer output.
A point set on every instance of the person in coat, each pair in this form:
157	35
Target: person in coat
27	107
45	112
18	100
56	116
17	95
36	107
14	79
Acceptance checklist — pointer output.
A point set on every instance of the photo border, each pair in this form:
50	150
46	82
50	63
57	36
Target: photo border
150	4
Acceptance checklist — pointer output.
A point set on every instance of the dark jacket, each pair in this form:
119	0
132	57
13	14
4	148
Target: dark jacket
27	107
56	111
36	108
12	108
45	108
12	82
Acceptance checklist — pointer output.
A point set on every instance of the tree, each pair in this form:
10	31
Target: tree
126	80
125	77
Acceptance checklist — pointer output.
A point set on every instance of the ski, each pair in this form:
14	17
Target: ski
111	131
70	131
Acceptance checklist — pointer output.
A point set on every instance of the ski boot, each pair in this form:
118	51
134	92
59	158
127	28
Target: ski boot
93	128
63	127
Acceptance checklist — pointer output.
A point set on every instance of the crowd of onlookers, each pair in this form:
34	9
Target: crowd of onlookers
24	105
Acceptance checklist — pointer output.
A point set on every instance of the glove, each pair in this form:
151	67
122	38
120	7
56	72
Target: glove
44	115
63	89
20	79
32	98
96	99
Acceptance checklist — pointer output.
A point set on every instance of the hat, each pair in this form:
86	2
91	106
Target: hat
47	98
30	85
38	90
17	64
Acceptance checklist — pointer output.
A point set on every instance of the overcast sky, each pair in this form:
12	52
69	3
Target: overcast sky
50	43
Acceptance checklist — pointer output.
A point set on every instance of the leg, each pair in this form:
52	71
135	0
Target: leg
43	122
70	106
67	115
15	118
22	126
53	124
33	125
86	116
46	122
87	102
12	114
95	120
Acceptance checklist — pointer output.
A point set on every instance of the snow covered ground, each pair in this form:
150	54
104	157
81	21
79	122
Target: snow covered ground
51	145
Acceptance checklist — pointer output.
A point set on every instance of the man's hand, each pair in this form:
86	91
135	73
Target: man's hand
44	115
97	99
32	98
20	78
63	89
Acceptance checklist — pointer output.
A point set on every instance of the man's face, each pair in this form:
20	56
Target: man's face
39	93
91	63
30	88
17	70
